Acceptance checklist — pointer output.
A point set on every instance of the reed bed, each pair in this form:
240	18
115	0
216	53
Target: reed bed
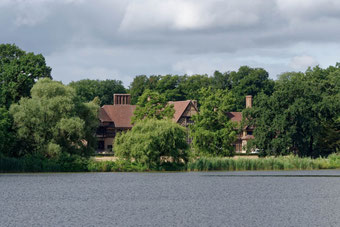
78	164
269	163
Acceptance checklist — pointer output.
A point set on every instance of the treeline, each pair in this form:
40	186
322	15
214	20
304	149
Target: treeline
245	81
41	118
299	113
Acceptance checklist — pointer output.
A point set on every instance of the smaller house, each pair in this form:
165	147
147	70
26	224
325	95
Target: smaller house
247	132
117	118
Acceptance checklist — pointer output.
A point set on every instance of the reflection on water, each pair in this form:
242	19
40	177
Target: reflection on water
287	198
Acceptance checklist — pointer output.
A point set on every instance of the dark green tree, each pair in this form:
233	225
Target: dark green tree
140	84
87	90
169	86
300	117
213	132
18	72
191	85
221	80
7	135
249	81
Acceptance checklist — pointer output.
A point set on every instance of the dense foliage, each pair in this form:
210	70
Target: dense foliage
18	72
45	125
152	105
212	132
87	90
149	140
245	81
301	116
52	122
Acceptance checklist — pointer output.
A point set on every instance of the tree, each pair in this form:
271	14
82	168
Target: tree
87	90
151	139
18	72
300	116
221	80
7	137
152	105
213	132
169	86
249	81
191	85
140	84
53	121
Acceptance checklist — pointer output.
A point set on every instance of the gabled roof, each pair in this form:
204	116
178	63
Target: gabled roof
119	114
180	107
235	116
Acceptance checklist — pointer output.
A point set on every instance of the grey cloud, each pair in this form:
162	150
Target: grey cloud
120	39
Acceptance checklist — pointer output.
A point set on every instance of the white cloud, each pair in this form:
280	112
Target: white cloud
188	14
303	62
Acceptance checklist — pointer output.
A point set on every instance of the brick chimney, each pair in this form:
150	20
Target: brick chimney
121	99
249	101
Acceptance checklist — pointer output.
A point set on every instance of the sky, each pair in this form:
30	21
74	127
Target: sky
109	39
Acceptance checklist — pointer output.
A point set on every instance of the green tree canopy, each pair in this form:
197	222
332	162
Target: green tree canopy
152	105
151	139
213	132
140	84
245	81
52	121
87	90
249	81
18	72
7	137
300	117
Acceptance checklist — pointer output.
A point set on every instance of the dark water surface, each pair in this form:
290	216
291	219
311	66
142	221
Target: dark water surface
288	198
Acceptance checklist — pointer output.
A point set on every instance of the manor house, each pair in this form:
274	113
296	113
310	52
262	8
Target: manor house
117	118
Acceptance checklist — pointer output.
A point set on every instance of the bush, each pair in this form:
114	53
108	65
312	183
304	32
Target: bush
149	140
38	163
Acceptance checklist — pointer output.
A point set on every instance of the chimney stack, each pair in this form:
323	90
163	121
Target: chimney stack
121	99
249	101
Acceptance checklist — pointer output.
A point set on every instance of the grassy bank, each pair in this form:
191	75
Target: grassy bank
271	163
40	164
78	164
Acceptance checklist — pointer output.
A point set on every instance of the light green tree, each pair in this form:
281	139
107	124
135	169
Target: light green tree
52	121
151	139
213	132
152	105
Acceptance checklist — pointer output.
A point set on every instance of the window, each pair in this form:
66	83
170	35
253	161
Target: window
238	147
100	145
250	133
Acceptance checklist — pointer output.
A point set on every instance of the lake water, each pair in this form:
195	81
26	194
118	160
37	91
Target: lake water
289	198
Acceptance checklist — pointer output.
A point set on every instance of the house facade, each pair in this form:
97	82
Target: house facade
247	132
117	118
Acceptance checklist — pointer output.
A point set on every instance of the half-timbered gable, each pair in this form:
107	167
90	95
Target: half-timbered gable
117	118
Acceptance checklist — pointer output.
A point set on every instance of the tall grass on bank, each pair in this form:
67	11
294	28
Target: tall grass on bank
79	164
270	163
40	164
